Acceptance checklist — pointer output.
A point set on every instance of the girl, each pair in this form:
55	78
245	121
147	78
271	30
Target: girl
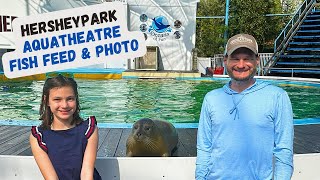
64	146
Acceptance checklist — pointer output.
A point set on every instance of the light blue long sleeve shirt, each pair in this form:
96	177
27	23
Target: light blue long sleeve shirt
239	134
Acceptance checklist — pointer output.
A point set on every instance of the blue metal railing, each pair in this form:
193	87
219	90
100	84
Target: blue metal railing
288	31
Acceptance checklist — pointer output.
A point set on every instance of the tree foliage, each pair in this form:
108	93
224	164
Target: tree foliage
255	17
209	36
249	16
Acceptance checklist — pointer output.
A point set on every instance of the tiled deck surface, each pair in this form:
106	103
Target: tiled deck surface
14	140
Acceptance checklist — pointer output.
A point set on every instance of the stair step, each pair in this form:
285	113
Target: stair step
300	56
303	49
307	37
310	25
311	71
299	63
304	43
311	20
313	15
316	11
308	31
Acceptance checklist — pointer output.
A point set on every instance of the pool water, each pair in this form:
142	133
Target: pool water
127	100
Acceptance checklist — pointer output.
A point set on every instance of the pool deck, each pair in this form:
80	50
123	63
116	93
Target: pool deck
143	74
14	141
110	73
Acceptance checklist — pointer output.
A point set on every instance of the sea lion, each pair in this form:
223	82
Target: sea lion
151	138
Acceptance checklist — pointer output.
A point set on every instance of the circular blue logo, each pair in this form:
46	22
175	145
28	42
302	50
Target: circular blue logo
160	24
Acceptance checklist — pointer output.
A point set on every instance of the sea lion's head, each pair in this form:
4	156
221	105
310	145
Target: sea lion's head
147	139
144	130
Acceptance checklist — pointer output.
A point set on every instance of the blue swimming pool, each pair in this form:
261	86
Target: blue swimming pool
127	100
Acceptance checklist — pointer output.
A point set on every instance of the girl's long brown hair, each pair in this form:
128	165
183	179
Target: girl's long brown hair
45	111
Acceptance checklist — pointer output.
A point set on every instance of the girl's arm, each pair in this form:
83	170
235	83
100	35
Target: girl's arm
42	159
90	156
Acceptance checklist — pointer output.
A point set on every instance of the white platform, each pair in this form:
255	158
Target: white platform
123	168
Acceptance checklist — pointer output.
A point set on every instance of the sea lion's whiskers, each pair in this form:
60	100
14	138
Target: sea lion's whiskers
151	144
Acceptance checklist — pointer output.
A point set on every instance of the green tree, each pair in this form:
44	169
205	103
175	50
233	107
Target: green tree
245	16
249	16
290	6
209	31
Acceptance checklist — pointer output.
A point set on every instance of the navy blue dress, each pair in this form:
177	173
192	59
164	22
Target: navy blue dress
66	148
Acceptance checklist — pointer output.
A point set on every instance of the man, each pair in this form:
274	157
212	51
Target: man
247	125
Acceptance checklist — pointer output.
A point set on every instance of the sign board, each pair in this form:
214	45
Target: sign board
71	38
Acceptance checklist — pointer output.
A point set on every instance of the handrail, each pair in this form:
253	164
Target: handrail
288	32
304	7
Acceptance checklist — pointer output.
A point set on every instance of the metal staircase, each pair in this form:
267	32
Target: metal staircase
297	48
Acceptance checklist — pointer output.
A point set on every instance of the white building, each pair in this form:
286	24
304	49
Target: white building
169	27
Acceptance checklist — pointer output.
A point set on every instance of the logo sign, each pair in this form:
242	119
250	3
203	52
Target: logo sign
160	28
71	38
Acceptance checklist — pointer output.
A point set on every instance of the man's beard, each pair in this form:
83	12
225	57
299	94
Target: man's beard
251	75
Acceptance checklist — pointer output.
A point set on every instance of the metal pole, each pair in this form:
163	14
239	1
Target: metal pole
226	22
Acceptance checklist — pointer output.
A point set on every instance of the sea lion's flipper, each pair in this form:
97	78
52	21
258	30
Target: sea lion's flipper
166	154
129	154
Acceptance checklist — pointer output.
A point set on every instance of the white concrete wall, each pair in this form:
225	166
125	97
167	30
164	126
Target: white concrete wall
203	63
306	167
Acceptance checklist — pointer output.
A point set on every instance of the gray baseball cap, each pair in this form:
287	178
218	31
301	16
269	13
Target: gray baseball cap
239	41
